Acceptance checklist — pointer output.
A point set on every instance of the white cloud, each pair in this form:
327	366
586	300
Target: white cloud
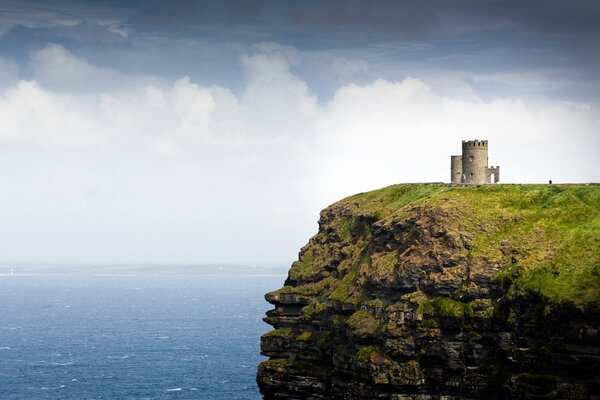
115	28
57	67
182	172
278	103
30	114
192	105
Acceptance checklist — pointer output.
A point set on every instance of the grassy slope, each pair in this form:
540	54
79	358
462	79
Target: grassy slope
552	230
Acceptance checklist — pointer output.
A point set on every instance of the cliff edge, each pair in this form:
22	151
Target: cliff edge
431	291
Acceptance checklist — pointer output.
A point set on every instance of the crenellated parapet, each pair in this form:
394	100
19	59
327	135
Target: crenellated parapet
477	144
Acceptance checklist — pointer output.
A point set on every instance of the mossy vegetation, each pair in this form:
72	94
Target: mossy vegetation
281	332
375	303
482	308
351	226
363	323
313	309
545	237
384	263
304	336
368	354
545	240
349	289
445	307
283	365
383	202
306	267
306	289
276	363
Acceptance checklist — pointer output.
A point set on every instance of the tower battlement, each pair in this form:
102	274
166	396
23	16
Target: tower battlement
472	165
474	144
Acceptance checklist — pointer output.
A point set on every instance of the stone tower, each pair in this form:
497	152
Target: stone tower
456	169
475	160
472	166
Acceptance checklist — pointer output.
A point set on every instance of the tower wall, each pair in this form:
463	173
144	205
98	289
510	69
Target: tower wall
493	171
475	161
456	170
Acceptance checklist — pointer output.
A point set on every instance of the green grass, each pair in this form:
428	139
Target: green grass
281	332
546	238
445	307
383	202
352	227
554	230
386	262
304	336
313	309
306	267
363	323
368	354
348	289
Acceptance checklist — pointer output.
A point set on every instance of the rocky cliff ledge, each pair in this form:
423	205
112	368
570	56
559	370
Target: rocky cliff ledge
431	291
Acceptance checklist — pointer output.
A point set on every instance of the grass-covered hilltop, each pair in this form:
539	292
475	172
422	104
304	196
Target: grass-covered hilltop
418	291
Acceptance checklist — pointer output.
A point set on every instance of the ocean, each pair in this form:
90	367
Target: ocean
132	332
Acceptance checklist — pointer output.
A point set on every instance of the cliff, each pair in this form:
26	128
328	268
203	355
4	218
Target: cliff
431	291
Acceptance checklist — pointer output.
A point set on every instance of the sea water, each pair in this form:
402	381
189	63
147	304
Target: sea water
132	332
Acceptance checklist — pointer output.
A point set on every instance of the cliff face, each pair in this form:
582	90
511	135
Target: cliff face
424	291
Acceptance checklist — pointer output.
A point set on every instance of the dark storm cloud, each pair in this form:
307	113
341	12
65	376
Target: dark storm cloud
309	17
36	13
179	37
403	19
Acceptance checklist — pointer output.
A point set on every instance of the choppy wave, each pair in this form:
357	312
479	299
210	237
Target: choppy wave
128	337
52	387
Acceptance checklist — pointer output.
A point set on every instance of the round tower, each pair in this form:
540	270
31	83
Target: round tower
456	171
474	161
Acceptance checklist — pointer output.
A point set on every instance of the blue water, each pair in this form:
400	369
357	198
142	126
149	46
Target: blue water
183	334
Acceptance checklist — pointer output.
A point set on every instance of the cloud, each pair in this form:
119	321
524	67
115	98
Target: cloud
274	108
35	14
57	67
177	171
498	42
114	28
279	103
30	114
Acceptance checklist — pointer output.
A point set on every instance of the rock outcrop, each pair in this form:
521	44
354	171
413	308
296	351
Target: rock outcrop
431	291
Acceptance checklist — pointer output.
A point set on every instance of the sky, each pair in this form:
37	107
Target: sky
211	132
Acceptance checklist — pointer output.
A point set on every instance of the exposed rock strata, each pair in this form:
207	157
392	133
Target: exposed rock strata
432	292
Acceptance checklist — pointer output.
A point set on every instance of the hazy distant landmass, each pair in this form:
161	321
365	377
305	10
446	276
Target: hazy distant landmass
139	270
